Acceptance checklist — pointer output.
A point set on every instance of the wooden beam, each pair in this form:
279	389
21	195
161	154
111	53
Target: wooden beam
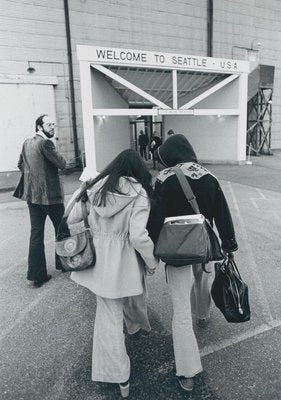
208	92
216	111
99	112
130	86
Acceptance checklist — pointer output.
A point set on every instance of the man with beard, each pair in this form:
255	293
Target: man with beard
40	187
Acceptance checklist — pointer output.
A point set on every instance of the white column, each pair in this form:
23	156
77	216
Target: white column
175	89
88	120
242	118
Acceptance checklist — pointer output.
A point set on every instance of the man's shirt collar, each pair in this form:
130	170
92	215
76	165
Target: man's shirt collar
41	134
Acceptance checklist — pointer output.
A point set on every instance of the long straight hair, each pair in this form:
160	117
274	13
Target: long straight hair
127	164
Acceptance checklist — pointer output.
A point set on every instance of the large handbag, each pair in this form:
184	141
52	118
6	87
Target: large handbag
230	293
77	251
186	240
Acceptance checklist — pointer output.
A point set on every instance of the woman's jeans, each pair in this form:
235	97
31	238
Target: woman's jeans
190	291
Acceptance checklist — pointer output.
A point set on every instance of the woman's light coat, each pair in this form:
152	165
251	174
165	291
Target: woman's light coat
121	240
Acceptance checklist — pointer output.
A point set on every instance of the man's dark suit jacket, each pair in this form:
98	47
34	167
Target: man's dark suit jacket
39	162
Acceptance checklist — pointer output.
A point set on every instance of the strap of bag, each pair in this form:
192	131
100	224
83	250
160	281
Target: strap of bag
87	226
69	209
186	189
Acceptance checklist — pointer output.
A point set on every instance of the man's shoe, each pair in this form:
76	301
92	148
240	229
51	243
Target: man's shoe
124	389
202	323
186	383
61	268
38	284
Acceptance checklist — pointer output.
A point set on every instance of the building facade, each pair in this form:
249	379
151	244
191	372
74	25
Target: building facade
36	75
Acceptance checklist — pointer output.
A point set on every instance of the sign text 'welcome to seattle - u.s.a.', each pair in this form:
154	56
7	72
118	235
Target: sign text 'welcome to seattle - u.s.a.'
105	55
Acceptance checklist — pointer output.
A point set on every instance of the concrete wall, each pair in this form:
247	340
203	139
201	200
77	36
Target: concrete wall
244	23
111	134
34	31
219	135
20	105
213	138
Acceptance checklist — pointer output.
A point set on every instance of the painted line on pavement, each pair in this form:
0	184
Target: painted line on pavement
276	216
22	261
19	205
205	351
254	203
261	193
43	293
253	199
12	205
251	261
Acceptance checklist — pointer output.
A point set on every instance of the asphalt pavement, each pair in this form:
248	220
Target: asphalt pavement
46	333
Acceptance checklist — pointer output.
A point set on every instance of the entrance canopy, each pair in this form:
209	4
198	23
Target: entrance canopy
123	83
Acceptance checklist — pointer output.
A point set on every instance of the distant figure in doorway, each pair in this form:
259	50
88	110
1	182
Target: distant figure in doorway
154	144
143	142
170	132
40	186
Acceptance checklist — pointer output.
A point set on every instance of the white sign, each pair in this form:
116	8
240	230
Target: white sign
112	56
176	112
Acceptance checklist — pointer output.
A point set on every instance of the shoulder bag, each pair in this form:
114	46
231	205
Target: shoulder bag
186	240
77	251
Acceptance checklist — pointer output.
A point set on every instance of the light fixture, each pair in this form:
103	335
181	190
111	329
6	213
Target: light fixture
218	116
103	116
255	47
256	44
30	69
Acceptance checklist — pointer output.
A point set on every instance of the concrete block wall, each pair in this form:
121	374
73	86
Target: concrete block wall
244	23
32	33
35	31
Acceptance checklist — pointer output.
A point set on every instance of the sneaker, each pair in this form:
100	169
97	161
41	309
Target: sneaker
186	383
38	284
139	333
124	389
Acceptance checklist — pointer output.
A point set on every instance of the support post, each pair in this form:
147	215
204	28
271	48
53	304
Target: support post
88	120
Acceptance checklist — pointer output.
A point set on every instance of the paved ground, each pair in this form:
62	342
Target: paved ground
46	333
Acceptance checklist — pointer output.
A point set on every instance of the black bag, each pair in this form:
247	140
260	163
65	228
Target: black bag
19	191
76	252
186	240
230	292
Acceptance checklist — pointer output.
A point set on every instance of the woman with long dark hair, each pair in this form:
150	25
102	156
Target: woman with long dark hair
118	206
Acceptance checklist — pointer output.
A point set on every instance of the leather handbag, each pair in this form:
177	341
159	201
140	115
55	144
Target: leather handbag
186	240
77	251
230	293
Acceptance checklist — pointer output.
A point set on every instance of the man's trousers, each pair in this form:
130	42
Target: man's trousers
37	269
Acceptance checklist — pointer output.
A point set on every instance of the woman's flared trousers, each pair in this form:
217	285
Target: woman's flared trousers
110	361
190	291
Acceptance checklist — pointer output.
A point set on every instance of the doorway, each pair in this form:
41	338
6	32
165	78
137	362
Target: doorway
148	126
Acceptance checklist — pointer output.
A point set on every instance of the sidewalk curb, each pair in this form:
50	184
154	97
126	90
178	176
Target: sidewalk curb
20	204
